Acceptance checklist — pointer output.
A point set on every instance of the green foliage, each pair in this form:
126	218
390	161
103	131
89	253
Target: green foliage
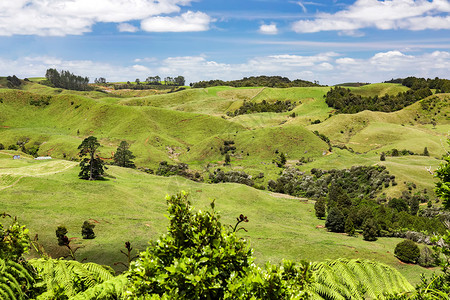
357	279
14	239
123	156
15	280
349	227
111	289
67	80
87	230
268	81
227	159
232	176
61	232
370	230
92	167
382	156
280	161
335	220
426	258
320	208
264	106
62	279
344	101
442	189
407	251
195	260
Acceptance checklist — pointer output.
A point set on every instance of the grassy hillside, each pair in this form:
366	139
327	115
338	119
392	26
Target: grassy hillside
129	206
191	126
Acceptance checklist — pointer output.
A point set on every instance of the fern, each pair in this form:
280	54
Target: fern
111	289
68	278
15	280
356	279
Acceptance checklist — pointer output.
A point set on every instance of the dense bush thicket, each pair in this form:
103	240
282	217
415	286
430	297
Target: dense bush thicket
350	194
232	176
67	80
264	106
13	82
180	169
268	81
344	101
358	181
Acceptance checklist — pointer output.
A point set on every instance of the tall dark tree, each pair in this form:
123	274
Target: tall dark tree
92	166
335	221
123	156
320	208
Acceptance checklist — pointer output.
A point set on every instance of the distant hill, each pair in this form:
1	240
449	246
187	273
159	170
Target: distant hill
258	81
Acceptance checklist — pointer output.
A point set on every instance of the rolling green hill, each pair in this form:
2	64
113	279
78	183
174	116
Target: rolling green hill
191	126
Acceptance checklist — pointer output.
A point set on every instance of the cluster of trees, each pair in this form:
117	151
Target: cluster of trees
231	176
254	81
93	167
153	82
263	106
67	80
21	145
181	169
198	258
415	83
344	101
358	182
13	82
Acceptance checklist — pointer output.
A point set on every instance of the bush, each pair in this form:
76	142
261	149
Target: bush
2	146
407	251
320	208
426	258
87	230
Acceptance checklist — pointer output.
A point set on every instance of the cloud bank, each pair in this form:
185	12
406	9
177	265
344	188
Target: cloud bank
328	68
75	17
383	15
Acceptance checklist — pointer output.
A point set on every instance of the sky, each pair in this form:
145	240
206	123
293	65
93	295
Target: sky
331	41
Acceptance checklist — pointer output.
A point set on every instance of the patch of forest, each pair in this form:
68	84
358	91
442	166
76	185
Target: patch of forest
344	101
348	200
264	106
440	85
255	81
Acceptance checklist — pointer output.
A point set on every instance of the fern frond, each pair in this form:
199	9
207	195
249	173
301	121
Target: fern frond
357	279
111	289
69	276
14	280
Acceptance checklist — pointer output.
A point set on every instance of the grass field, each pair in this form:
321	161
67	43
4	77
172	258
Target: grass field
129	206
190	126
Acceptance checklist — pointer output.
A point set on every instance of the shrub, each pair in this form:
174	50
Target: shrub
407	251
2	146
382	156
13	147
87	230
426	258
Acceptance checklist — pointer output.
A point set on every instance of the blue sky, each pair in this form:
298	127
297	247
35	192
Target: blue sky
331	41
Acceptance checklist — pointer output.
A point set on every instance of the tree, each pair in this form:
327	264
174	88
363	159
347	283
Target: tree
425	152
335	220
227	159
442	189
87	230
349	227
370	230
123	156
91	166
320	208
179	80
382	156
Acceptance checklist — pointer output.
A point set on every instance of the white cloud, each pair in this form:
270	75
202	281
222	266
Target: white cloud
268	29
75	17
189	21
126	27
328	68
384	15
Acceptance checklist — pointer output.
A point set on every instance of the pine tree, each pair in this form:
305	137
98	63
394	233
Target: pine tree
349	227
335	220
123	156
320	208
91	166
